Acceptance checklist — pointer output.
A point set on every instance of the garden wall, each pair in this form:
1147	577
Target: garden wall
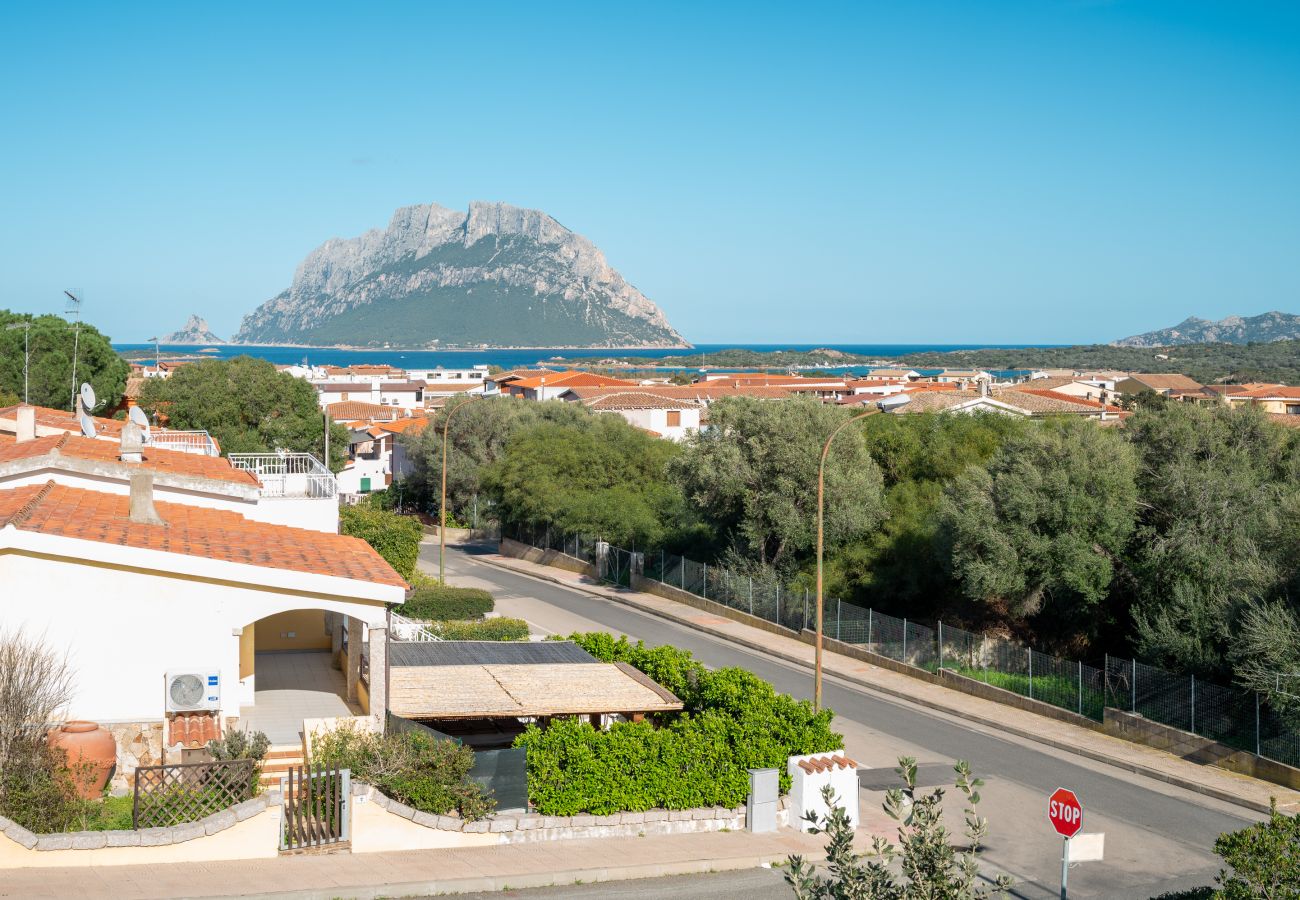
250	830
515	828
1133	727
546	557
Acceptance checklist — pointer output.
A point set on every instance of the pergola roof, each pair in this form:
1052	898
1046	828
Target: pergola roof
515	691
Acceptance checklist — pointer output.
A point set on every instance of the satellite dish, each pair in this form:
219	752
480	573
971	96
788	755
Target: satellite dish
87	396
87	425
139	418
893	401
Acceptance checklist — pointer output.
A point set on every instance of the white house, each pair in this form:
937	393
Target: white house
408	395
139	590
668	417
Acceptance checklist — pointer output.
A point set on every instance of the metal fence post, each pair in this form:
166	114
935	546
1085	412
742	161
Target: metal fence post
940	645
839	608
1080	687
1257	753
870	615
1134	686
805	609
751	595
984	655
683	573
904	640
776	610
1031	673
661	567
704	581
1193	728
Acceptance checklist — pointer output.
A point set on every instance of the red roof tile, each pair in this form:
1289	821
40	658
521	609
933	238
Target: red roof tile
63	511
174	462
193	730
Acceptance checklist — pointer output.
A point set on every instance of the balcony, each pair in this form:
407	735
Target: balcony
289	475
197	442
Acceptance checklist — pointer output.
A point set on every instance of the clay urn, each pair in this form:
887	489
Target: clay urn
91	752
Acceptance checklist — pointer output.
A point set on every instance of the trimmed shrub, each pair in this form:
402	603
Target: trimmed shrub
411	767
498	629
395	538
734	721
434	602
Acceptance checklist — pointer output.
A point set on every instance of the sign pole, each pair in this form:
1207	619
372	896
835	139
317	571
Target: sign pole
1065	864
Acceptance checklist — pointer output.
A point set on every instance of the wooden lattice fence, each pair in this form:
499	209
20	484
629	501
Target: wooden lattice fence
187	792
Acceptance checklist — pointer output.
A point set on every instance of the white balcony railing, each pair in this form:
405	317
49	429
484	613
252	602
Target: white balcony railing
288	475
404	629
197	442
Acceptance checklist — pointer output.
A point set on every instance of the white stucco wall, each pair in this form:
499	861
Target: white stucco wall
124	629
374	469
312	513
656	420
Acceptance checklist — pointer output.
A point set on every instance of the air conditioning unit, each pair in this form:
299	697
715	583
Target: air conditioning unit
193	691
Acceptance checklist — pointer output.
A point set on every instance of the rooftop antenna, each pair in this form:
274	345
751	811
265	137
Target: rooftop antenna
156	362
26	326
74	310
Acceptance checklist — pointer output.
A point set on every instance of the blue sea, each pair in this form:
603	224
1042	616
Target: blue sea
513	359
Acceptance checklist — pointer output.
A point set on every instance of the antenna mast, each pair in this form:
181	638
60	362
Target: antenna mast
74	309
26	326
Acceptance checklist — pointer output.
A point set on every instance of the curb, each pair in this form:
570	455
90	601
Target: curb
558	878
1094	755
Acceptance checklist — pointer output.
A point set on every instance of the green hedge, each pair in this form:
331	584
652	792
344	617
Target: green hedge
434	602
733	721
395	538
498	629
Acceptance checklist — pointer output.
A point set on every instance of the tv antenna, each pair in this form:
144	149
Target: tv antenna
73	310
155	353
26	326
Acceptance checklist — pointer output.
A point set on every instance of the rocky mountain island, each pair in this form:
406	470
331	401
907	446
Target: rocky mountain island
496	275
195	331
1269	326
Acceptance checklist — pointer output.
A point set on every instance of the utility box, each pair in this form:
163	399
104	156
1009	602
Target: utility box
811	773
760	808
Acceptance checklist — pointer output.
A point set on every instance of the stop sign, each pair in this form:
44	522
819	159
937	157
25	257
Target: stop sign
1066	812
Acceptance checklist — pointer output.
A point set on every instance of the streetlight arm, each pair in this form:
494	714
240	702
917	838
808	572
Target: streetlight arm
821	519
442	508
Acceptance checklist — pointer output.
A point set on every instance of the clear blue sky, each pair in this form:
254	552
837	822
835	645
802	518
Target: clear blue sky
995	171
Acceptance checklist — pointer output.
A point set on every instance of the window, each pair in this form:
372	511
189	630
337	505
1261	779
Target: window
344	395
674	418
1293	409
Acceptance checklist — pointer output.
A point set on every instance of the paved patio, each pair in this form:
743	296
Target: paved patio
292	686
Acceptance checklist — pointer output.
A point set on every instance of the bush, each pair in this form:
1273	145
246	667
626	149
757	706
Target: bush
243	745
499	629
412	767
395	538
734	721
434	602
1264	858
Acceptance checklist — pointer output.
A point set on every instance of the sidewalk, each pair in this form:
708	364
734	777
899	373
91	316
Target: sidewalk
423	872
1135	758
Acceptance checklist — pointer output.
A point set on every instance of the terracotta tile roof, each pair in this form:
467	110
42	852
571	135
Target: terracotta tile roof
63	511
1279	391
413	424
826	763
515	374
631	400
75	446
360	411
134	384
704	390
1032	402
1067	399
572	379
193	730
66	421
1165	382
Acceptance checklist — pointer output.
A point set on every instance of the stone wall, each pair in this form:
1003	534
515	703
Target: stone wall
138	744
553	558
515	828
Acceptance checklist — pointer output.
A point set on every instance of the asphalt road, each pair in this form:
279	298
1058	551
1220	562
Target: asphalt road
1158	837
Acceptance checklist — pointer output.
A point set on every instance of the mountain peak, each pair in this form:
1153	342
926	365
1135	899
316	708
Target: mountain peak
1266	327
195	331
495	274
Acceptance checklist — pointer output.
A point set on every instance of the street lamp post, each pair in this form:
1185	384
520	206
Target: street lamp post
442	508
892	402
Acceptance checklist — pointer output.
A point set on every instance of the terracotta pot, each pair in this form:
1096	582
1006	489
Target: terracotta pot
91	751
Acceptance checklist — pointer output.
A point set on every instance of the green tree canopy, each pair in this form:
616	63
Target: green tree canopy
594	475
395	538
248	406
1044	522
752	475
477	438
51	343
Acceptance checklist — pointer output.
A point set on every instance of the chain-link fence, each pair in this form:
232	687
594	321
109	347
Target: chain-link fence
1231	716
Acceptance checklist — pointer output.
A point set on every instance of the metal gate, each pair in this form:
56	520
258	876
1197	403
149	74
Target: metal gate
317	808
617	567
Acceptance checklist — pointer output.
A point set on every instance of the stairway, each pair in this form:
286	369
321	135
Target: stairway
279	760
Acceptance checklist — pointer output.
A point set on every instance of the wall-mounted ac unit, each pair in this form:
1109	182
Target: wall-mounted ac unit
193	691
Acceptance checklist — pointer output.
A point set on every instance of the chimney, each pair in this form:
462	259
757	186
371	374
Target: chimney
132	443
984	388
142	508
26	424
